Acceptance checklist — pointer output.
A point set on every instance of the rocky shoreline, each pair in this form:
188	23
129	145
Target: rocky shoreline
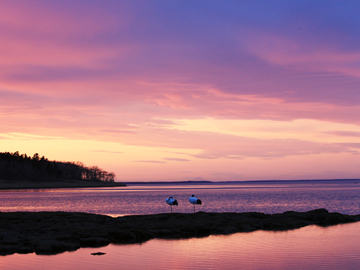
57	232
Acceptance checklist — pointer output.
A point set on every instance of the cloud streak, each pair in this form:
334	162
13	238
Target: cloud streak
177	159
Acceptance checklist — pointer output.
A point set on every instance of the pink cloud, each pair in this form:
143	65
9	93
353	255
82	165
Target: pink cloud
104	151
129	73
133	75
150	161
294	54
61	19
344	133
109	115
177	159
215	146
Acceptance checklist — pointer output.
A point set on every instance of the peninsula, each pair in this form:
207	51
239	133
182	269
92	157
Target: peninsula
19	171
56	232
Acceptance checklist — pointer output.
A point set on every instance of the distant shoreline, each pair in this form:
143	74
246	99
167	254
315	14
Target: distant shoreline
8	185
200	182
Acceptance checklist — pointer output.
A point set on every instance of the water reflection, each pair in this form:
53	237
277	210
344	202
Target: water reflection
216	198
310	247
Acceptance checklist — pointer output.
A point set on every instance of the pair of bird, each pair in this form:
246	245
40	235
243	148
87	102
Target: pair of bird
171	201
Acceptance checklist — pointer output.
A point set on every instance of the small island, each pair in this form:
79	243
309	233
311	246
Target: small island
19	171
57	232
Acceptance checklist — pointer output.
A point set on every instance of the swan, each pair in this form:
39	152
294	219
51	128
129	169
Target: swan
171	201
194	201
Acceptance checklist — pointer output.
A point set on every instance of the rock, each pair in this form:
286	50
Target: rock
122	237
48	247
94	242
98	253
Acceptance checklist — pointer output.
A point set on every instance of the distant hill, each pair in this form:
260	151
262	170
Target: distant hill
196	182
18	168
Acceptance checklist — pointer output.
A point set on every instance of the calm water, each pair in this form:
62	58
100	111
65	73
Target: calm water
150	199
306	248
311	247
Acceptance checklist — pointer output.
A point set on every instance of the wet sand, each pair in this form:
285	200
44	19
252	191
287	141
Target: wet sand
56	232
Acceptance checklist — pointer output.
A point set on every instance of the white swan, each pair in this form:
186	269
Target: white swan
194	201
171	201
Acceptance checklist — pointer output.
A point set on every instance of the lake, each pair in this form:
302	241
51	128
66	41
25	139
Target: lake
306	248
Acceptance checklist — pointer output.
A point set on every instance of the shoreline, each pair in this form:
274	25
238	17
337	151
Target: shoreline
8	185
246	182
49	233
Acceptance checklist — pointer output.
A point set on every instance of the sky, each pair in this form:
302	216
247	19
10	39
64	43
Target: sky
184	89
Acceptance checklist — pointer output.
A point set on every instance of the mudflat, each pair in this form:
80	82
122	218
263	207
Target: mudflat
56	232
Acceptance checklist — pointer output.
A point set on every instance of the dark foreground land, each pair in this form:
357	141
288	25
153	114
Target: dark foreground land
56	232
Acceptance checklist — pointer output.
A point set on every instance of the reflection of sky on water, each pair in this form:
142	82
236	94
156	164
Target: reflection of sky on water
312	247
150	199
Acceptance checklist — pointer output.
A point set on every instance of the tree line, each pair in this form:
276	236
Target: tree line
14	166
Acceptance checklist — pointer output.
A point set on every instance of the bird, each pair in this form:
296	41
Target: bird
171	201
194	201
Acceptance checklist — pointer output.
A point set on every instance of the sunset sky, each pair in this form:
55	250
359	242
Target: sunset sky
176	90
